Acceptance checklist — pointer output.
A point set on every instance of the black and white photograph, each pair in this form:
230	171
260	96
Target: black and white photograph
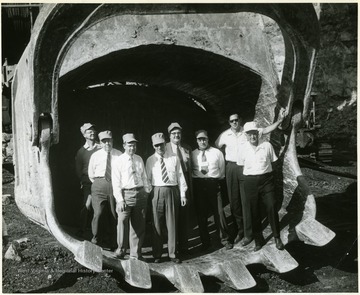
179	147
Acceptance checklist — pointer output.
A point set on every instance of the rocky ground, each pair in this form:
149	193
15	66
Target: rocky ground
46	266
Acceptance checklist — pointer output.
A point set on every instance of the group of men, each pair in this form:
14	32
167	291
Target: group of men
117	186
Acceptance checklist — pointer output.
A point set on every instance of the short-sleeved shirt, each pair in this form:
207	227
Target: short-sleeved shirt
214	163
233	142
257	160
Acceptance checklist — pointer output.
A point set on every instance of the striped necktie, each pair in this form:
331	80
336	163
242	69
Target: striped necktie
108	167
164	175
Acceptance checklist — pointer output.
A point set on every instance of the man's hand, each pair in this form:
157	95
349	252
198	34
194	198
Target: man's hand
282	114
183	201
122	206
88	202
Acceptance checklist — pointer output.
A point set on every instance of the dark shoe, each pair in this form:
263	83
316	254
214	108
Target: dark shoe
120	253
279	244
246	241
238	238
175	260
228	246
258	244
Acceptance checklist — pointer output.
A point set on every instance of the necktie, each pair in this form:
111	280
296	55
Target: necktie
108	167
133	169
204	168
164	175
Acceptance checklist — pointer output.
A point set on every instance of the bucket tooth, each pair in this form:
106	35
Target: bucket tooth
137	273
312	232
187	279
90	256
236	275
276	260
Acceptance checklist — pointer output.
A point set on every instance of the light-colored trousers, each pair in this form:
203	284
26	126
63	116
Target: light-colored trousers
131	222
165	208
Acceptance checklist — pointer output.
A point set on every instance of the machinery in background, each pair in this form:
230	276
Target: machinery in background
308	146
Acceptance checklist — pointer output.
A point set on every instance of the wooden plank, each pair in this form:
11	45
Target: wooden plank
236	275
90	256
313	233
187	279
277	260
137	273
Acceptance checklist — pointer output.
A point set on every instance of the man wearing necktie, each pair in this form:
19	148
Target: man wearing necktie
131	189
183	152
99	172
208	170
167	178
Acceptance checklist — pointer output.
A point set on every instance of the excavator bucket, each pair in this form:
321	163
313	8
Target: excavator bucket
128	67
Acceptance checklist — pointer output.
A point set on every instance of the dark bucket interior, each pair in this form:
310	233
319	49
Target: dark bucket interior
143	90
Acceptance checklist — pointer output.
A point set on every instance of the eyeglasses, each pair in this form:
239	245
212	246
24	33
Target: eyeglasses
234	120
202	139
175	133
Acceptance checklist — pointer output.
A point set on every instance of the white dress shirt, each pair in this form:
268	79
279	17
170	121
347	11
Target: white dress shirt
172	148
215	163
233	142
258	159
97	164
173	168
124	177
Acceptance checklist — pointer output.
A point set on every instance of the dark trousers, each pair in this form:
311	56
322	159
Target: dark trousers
165	209
207	196
132	222
239	204
85	212
103	203
261	189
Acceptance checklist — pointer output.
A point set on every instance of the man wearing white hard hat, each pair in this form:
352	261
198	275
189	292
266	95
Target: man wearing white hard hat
208	170
259	184
82	160
100	165
167	178
233	139
131	190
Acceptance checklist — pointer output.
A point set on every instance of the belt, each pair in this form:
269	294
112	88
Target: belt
231	162
133	189
207	179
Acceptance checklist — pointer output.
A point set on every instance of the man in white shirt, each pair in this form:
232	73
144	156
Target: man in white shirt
259	184
131	189
208	169
167	178
99	172
183	152
234	139
82	159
